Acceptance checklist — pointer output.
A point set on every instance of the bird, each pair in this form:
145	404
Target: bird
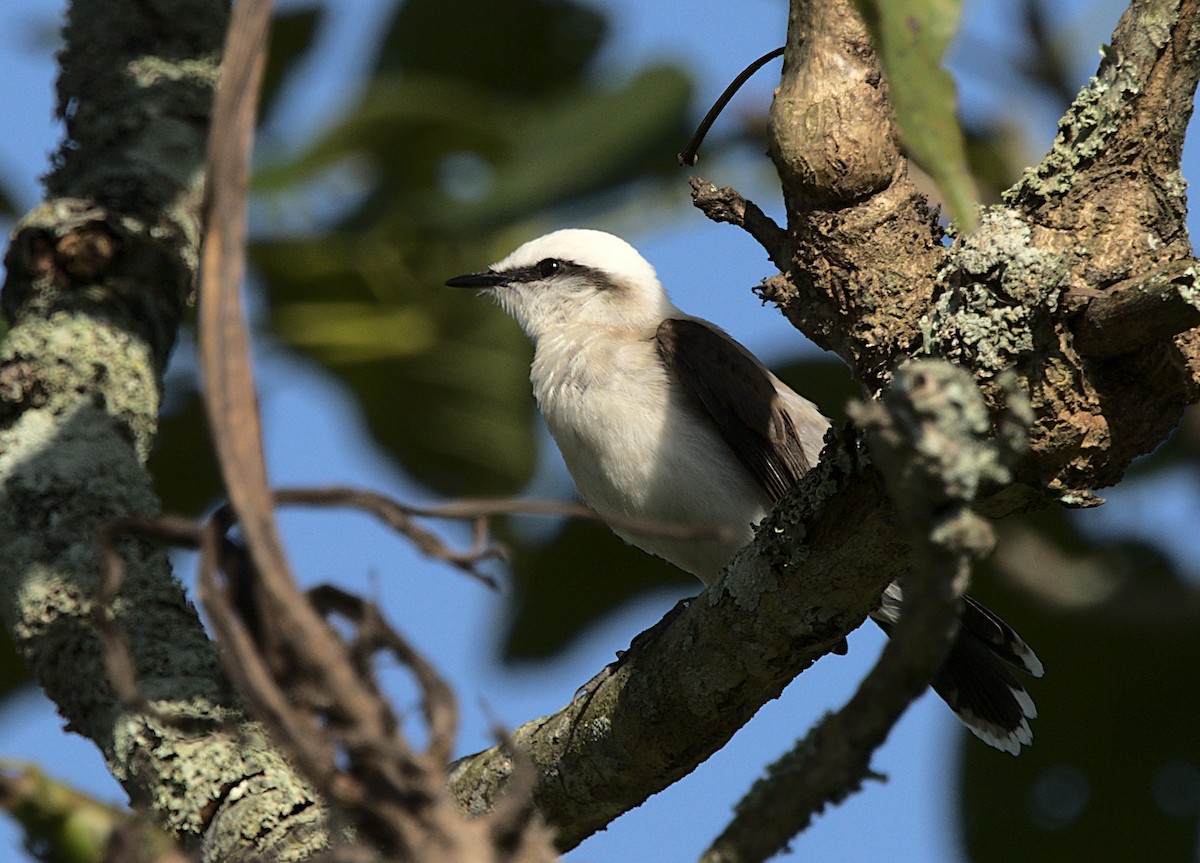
662	417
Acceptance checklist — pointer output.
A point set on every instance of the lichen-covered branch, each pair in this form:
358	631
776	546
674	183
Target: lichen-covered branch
98	280
930	435
819	564
1102	212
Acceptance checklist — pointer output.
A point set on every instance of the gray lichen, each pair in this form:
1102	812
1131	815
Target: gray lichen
996	293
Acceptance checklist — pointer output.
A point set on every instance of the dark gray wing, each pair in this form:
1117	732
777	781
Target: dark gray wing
728	385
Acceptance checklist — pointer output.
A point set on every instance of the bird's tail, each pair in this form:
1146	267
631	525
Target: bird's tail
977	680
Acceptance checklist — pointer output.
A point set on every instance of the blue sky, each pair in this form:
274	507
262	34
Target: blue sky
314	437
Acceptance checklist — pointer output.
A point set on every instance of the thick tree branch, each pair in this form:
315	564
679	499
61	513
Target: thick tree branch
98	279
864	245
1104	209
931	437
817	567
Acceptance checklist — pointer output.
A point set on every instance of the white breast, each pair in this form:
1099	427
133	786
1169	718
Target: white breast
639	451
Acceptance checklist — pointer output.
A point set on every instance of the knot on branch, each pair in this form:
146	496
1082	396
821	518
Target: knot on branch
71	254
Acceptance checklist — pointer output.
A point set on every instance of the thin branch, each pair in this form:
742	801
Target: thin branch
325	708
1140	312
399	516
726	205
683	693
691	153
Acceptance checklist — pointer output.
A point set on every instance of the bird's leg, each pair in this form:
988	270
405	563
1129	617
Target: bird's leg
639	642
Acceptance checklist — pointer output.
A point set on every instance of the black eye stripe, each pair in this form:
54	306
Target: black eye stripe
557	268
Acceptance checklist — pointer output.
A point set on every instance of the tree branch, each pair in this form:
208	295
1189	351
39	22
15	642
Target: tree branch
930	436
817	566
98	279
1142	311
726	205
864	245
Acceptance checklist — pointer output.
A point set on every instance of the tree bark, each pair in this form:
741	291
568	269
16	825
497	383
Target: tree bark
99	278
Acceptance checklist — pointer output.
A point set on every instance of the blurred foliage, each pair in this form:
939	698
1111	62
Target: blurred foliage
183	463
453	155
1114	772
13	673
292	34
8	204
64	825
578	577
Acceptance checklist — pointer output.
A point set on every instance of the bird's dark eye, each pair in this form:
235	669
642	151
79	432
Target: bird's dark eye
548	267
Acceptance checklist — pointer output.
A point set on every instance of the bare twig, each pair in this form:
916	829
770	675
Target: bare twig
400	517
325	708
726	205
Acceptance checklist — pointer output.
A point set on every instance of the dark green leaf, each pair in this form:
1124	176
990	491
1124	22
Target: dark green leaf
1114	770
910	37
183	465
442	376
825	381
414	138
8	204
292	32
13	673
519	47
581	145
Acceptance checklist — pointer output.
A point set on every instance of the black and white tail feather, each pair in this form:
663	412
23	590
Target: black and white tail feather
977	680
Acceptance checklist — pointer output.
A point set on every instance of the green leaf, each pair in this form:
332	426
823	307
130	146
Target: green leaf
587	142
8	204
824	381
518	47
13	673
1114	768
182	462
911	36
442	376
528	157
404	127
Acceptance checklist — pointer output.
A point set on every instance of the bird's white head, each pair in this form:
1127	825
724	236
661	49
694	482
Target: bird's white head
573	277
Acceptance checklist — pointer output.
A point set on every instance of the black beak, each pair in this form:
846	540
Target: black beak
477	280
